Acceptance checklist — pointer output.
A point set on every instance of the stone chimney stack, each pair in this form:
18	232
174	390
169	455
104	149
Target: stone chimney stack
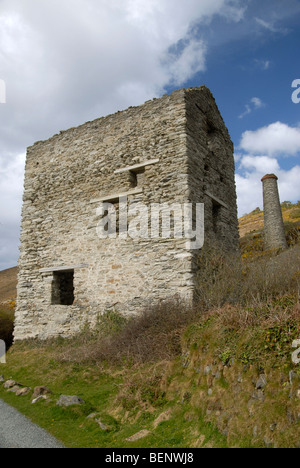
274	229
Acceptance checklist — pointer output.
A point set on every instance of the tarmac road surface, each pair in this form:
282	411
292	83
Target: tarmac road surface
16	431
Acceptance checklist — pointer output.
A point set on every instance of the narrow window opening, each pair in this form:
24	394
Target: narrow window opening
136	177
133	179
216	212
63	288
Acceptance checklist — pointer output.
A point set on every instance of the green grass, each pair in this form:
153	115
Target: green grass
195	370
204	409
104	392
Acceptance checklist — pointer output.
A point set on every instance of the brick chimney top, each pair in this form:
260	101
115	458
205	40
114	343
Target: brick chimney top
269	176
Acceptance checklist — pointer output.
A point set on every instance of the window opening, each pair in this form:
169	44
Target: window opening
133	179
63	288
216	212
136	177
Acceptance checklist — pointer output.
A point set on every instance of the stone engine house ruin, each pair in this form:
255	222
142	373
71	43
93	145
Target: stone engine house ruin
175	149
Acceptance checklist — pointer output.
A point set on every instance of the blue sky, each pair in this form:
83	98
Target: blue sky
63	65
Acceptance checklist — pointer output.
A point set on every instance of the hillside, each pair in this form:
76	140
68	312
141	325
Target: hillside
219	375
8	285
254	221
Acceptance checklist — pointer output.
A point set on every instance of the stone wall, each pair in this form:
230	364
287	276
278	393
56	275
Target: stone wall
68	176
211	169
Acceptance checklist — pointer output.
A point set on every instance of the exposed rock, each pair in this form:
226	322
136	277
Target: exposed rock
23	391
258	395
96	418
268	442
69	400
139	435
240	378
293	377
92	416
41	397
162	417
102	426
39	391
273	427
261	383
14	389
10	384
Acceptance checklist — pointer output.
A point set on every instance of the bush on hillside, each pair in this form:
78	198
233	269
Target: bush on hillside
153	335
6	328
223	278
218	276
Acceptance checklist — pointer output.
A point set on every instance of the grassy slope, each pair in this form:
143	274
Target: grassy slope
107	392
205	396
254	221
8	284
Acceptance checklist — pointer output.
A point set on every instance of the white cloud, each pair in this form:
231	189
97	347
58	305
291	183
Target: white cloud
255	103
66	62
249	193
190	61
247	111
11	188
275	139
259	154
63	65
270	26
262	64
261	164
249	185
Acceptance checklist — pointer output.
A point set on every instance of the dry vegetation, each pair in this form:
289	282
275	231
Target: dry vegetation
254	221
175	370
8	285
251	295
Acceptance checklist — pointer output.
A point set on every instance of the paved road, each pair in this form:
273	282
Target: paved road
16	431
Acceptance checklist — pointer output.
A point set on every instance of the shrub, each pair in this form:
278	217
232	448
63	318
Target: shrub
246	288
292	233
223	278
110	322
256	211
286	204
295	214
6	328
154	334
218	276
270	277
